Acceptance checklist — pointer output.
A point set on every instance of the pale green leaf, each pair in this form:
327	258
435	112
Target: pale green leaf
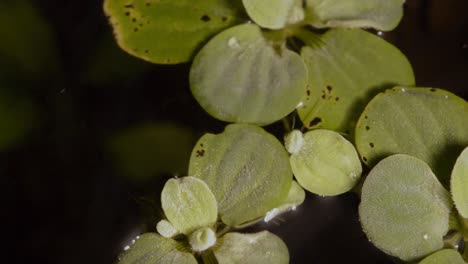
404	209
379	14
168	31
430	124
347	67
202	239
296	197
151	149
242	75
151	248
274	14
459	183
445	256
326	163
263	247
189	204
246	168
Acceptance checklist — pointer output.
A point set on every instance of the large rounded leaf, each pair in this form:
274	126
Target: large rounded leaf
445	256
243	75
246	168
380	14
274	14
151	248
459	183
430	124
188	204
404	209
168	31
263	247
326	163
347	67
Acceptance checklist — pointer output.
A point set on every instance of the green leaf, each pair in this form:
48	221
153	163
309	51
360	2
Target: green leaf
151	248
202	239
430	124
347	67
459	183
263	247
151	149
379	14
404	209
444	256
296	197
274	14
243	75
326	163
27	48
168	31
189	204
246	168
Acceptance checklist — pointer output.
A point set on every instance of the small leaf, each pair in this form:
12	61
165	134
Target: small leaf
151	248
202	239
444	256
166	229
459	183
188	204
168	31
246	168
347	67
242	75
274	14
263	247
404	209
429	124
379	14
326	164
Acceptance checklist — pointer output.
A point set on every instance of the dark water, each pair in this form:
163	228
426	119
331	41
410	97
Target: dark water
67	197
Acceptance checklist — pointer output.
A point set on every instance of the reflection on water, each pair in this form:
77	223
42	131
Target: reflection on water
76	113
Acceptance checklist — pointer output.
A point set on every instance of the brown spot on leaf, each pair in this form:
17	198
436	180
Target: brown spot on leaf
205	18
135	29
371	145
329	88
224	19
127	13
129	6
337	99
364	159
367	128
433	89
315	121
200	153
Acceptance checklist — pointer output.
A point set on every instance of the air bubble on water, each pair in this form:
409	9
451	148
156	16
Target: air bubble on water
380	33
403	90
233	43
294	208
126	248
426	236
300	105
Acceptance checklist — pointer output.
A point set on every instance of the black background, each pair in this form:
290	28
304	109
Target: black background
65	202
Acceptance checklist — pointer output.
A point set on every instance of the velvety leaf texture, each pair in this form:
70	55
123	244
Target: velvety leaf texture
404	209
246	168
